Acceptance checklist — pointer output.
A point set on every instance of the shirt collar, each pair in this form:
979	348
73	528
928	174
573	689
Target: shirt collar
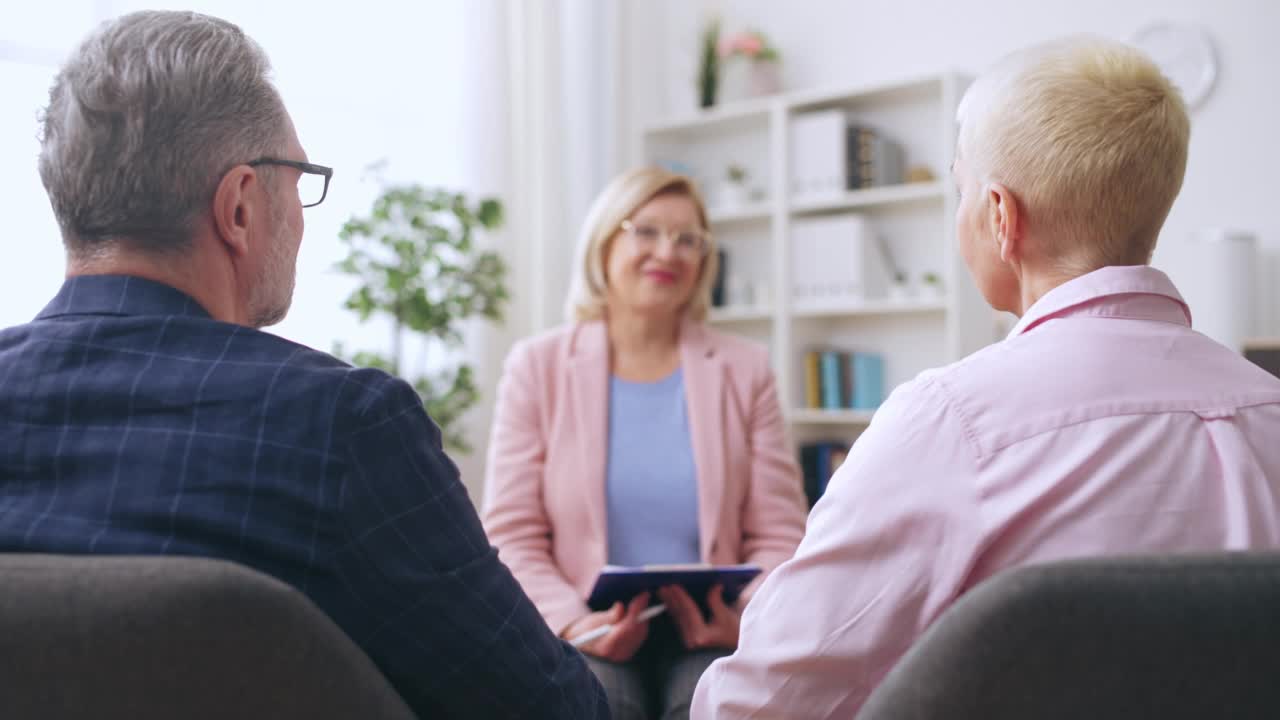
1137	292
119	295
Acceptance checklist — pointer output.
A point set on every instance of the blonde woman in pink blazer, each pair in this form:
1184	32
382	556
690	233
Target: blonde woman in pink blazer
638	435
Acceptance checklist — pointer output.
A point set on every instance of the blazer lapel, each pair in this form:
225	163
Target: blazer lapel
704	394
588	384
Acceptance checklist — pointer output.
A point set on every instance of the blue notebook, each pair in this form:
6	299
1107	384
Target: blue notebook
620	584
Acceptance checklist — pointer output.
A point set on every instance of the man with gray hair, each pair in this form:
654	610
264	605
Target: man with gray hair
1102	425
143	412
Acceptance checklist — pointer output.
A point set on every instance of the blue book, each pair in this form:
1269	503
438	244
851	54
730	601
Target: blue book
829	368
619	584
824	467
868	381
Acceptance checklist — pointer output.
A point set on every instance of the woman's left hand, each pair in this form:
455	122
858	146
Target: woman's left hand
696	631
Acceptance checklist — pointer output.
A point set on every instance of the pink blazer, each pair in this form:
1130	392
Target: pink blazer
544	503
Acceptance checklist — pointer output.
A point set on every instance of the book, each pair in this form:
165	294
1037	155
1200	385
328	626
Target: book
868	381
809	470
617	583
717	288
812	380
838	454
872	159
819	462
832	389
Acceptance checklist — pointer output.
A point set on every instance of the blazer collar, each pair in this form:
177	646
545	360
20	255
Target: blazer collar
705	397
119	295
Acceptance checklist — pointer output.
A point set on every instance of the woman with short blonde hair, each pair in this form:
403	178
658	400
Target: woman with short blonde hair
1080	123
636	435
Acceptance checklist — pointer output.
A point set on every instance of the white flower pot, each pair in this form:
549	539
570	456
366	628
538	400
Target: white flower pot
766	78
732	195
931	291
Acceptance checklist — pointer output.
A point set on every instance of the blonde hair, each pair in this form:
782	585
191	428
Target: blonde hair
617	202
1091	138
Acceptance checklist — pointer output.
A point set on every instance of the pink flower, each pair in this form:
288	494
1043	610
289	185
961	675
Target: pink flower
749	45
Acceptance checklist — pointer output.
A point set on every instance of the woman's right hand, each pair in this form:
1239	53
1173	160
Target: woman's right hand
626	637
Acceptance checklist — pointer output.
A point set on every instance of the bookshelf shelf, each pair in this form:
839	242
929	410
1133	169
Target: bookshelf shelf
877	93
872	307
812	416
770	246
872	198
726	315
748	213
746	112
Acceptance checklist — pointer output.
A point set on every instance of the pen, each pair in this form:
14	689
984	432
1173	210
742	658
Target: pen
645	615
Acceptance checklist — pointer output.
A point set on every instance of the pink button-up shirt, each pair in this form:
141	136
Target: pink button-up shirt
1102	425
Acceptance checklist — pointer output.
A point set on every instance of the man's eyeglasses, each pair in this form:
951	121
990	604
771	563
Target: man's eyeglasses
690	243
313	183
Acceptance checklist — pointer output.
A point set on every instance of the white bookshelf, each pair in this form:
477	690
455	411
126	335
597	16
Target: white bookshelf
733	314
916	221
755	212
871	198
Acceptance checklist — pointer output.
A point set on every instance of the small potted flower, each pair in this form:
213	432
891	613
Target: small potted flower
733	191
899	288
751	50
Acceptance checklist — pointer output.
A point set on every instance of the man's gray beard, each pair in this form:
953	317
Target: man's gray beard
272	291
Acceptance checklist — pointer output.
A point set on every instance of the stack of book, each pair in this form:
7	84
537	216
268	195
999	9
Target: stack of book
872	159
840	380
831	155
818	462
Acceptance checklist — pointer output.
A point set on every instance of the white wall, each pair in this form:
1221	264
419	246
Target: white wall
1235	151
420	85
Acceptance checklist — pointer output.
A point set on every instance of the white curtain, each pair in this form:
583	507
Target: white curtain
566	134
550	86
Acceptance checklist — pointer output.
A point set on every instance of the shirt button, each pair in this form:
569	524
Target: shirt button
715	545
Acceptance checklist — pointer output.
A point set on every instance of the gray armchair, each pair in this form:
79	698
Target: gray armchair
1172	638
151	638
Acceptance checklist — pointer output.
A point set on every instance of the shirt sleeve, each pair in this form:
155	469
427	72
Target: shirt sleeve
445	620
886	549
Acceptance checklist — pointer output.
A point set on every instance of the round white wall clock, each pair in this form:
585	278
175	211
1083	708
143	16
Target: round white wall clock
1185	54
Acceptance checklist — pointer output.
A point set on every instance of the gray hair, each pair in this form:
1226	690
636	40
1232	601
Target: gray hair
145	118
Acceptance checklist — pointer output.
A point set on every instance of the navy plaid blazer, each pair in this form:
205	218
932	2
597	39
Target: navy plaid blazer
133	423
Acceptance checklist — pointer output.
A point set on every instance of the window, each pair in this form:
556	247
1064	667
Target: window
32	42
388	82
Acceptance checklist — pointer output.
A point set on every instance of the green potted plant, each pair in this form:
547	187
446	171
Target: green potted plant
733	191
899	288
709	65
931	285
417	262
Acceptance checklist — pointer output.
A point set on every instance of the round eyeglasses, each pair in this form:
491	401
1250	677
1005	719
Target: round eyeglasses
690	243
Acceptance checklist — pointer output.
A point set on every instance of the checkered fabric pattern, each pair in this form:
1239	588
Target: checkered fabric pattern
133	423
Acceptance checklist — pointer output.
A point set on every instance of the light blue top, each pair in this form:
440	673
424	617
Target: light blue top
651	487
